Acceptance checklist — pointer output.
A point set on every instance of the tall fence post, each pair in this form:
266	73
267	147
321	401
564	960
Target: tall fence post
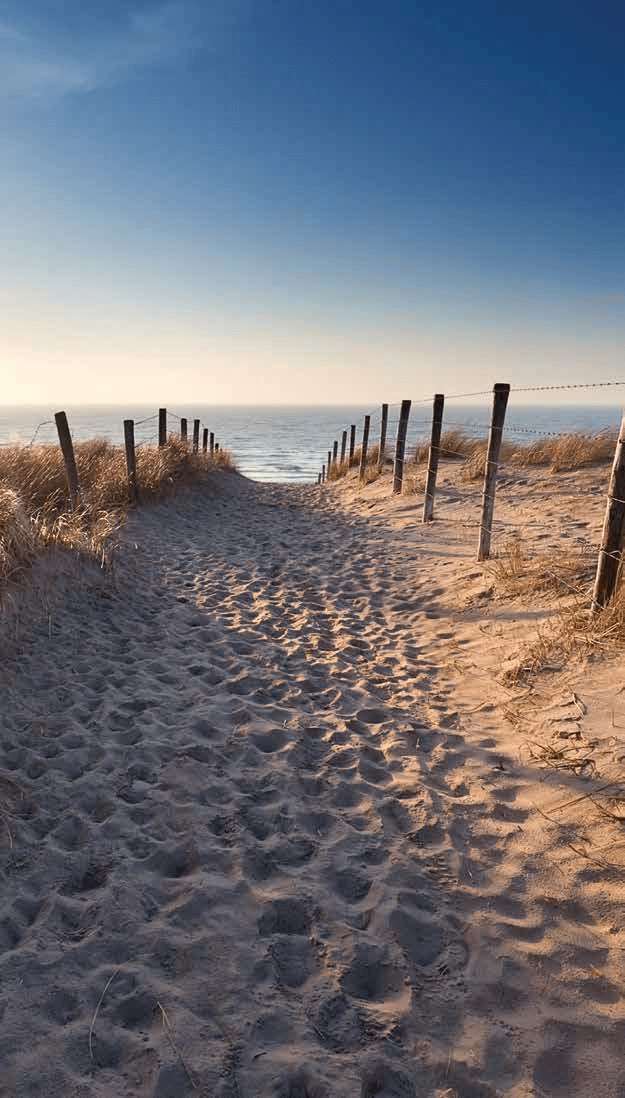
352	442
433	456
400	446
183	430
343	446
612	537
335	453
364	446
212	443
329	466
383	427
131	460
323	474
205	440
67	449
196	435
500	401
162	427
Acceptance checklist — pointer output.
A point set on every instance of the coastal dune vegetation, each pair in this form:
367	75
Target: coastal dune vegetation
35	510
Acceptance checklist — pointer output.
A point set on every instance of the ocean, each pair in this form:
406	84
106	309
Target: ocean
289	443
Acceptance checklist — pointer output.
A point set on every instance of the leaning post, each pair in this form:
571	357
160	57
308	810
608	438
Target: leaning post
501	393
400	446
67	449
433	456
382	444
612	538
131	460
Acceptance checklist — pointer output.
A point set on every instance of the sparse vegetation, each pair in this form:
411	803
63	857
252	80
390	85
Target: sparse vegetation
34	505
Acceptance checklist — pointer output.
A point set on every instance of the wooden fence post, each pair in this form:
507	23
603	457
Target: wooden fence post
610	553
162	427
196	435
329	466
383	426
323	474
131	460
352	443
433	455
343	446
500	401
212	443
318	478
205	440
67	449
400	446
364	446
335	453
183	430
216	447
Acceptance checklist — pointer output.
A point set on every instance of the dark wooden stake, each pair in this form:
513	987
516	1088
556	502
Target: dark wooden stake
205	440
501	393
318	478
212	442
216	447
329	463
400	446
343	446
162	427
196	435
131	460
323	474
67	449
183	430
433	456
352	442
364	446
335	453
383	427
611	551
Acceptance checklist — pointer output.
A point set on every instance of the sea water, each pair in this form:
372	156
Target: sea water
289	443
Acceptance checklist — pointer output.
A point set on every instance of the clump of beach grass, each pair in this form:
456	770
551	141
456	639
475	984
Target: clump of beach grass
35	510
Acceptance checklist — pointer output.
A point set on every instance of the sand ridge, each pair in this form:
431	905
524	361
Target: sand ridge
256	779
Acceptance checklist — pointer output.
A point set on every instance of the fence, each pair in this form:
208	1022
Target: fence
610	549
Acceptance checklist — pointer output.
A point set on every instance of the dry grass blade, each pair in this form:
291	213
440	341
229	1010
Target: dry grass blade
176	1051
97	1009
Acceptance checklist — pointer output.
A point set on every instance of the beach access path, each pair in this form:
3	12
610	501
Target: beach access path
266	828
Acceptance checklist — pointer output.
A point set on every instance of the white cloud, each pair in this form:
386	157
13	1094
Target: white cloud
35	68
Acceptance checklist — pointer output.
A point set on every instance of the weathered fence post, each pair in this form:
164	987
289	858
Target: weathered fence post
162	427
183	430
196	435
329	467
318	478
131	460
323	474
364	446
67	449
610	553
335	453
352	442
212	443
433	455
216	447
205	440
383	426
400	446
500	400
343	446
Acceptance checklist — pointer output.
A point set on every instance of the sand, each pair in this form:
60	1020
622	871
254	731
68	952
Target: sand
269	820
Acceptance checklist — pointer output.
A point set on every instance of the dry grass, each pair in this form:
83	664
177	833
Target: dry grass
34	504
341	468
517	572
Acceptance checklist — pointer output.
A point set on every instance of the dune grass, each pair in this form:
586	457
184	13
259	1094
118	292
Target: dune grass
34	505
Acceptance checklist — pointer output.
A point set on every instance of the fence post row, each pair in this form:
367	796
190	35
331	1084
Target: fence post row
196	435
67	449
131	460
162	427
343	446
383	424
433	456
352	442
364	447
500	401
205	440
183	430
610	553
400	446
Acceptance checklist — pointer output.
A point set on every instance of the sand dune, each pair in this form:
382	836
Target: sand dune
266	827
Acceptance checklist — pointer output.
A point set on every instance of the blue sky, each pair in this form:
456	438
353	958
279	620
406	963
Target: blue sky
287	201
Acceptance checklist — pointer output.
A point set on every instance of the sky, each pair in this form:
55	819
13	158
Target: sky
305	202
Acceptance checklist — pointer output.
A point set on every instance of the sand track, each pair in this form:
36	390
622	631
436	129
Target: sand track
238	782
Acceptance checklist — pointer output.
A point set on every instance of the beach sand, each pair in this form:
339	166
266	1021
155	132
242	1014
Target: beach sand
271	823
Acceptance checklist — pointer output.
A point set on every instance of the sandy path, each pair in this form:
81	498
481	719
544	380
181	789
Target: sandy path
239	780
